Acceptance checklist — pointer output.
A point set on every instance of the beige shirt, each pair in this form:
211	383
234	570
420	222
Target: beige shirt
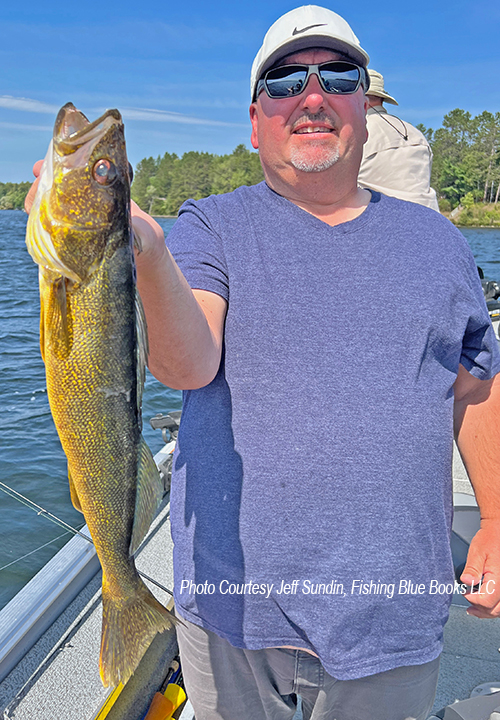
394	165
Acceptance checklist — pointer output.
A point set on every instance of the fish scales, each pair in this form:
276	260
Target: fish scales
92	328
102	376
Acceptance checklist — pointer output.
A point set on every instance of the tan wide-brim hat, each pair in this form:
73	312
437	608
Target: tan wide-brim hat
377	87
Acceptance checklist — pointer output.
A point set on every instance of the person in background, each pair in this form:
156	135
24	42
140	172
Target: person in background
397	158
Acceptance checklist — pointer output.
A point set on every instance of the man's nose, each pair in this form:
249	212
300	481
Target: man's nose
313	95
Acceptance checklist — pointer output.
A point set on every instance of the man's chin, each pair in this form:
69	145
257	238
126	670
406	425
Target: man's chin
314	162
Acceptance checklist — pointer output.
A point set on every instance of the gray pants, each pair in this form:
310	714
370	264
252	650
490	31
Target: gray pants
227	683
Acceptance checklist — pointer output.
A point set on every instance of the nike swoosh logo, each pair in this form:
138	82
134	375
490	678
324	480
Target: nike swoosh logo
297	32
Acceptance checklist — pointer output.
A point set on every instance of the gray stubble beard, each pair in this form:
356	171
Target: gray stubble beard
307	165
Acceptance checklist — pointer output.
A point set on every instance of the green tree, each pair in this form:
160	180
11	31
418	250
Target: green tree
161	186
466	156
191	178
242	167
12	195
145	171
488	149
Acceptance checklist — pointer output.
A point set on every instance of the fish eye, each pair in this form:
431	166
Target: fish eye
104	172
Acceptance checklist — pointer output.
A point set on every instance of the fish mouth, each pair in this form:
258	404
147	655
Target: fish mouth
72	128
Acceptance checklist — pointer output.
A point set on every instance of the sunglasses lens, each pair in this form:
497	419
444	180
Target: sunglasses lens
337	78
286	81
340	78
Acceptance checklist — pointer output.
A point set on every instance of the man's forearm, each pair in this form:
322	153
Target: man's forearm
477	427
184	339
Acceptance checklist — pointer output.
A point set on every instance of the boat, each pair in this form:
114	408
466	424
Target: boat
494	312
50	631
491	291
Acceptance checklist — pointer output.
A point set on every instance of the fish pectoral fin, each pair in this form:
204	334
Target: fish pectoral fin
42	328
148	495
57	330
74	495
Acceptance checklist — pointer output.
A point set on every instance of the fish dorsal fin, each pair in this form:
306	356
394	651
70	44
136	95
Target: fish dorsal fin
74	495
142	348
148	495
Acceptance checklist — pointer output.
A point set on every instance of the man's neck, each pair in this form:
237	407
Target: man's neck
319	196
378	110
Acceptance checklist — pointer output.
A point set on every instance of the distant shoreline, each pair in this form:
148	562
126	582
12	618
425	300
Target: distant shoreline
24	211
495	225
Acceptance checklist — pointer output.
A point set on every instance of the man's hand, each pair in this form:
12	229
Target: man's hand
477	424
149	237
483	568
28	201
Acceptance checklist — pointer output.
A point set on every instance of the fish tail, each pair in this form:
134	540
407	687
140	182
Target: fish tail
128	627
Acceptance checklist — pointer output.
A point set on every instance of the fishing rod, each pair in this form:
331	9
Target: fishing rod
57	521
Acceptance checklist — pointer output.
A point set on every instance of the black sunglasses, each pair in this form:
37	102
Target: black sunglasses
337	78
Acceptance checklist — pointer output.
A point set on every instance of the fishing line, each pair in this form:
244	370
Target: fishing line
41	511
34	551
53	518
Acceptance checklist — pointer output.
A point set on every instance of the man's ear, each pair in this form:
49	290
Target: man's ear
367	105
254	119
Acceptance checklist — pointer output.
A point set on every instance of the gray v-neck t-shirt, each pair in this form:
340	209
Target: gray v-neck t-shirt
312	494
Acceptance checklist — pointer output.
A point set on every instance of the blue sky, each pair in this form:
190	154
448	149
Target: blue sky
179	72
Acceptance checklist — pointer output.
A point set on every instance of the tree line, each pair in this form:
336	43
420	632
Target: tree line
12	195
466	166
465	172
161	185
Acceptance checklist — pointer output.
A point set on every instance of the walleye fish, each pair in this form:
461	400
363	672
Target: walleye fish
93	341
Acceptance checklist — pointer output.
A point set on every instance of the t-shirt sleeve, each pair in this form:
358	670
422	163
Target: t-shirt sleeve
480	347
197	247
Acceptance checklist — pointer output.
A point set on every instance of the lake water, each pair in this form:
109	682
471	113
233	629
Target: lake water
31	458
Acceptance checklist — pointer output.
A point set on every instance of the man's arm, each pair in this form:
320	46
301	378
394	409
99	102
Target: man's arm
185	327
477	430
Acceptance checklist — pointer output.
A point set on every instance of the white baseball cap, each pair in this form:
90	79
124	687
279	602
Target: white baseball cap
305	27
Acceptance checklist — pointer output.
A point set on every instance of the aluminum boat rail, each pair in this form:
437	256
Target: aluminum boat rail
50	634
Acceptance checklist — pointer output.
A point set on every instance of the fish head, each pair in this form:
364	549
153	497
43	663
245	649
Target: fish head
82	203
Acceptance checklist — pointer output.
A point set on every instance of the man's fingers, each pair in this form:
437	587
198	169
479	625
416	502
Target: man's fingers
484	613
485	601
28	201
474	567
37	168
482	571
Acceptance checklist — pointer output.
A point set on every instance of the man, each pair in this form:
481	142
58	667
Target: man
397	158
312	474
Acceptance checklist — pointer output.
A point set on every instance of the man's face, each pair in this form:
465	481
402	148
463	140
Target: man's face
310	132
